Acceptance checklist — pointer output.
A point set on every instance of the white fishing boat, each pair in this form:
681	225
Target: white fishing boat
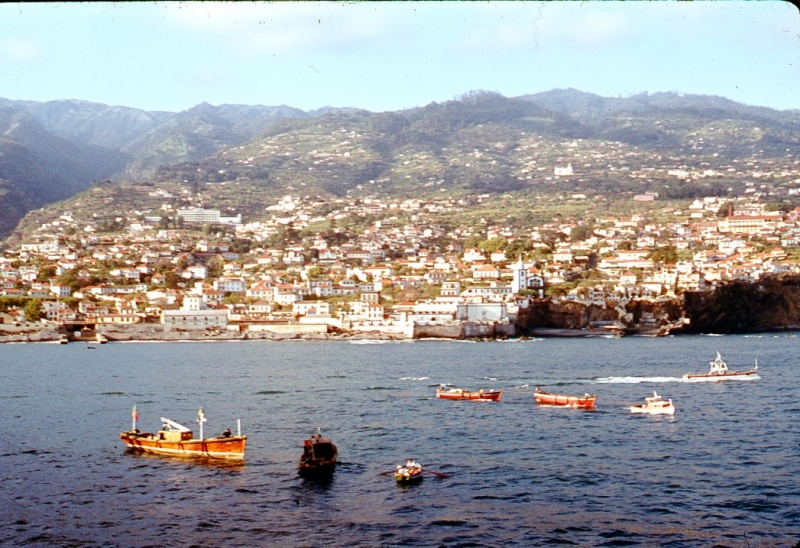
719	372
654	405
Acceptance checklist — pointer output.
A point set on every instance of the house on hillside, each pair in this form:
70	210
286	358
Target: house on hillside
486	272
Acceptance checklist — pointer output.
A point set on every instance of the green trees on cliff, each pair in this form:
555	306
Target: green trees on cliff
745	307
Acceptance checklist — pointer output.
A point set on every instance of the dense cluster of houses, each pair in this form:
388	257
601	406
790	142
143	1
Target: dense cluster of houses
185	279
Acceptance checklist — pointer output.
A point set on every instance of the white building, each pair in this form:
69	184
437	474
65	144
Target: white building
230	285
194	319
482	312
207	216
563	171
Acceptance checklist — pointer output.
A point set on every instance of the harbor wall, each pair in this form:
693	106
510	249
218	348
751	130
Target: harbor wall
465	330
294	329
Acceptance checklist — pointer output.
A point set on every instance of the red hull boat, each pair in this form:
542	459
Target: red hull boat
583	402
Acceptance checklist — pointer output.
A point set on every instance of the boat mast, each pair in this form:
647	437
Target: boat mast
134	417
201	418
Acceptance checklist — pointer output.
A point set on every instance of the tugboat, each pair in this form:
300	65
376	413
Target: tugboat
319	456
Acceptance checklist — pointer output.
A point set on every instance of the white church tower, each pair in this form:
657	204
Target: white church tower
520	277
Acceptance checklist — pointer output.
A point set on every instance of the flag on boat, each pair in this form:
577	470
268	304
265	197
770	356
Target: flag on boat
134	413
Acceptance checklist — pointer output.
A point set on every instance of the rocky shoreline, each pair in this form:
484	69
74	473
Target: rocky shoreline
157	333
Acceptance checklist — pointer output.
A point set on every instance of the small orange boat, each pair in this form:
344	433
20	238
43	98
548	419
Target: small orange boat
176	440
459	394
583	402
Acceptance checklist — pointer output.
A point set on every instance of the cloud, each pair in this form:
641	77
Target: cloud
282	27
19	50
496	27
600	29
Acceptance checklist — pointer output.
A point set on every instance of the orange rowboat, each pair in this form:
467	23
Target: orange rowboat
583	402
458	394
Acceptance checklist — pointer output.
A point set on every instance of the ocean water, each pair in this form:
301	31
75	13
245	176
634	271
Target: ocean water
723	471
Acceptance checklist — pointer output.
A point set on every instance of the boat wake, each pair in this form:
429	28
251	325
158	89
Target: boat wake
635	380
414	379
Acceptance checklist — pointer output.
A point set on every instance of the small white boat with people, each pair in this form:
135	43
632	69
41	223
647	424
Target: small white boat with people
719	372
654	405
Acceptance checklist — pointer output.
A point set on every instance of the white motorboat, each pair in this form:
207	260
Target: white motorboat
719	372
654	405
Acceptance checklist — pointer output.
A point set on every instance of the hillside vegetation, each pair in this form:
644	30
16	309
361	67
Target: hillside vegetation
241	158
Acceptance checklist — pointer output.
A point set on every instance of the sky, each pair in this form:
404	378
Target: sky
385	56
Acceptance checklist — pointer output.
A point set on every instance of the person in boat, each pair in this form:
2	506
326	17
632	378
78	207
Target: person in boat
227	433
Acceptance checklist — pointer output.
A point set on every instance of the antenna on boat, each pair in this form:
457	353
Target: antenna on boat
201	418
238	427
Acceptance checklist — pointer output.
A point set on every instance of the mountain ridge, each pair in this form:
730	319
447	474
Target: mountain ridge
393	152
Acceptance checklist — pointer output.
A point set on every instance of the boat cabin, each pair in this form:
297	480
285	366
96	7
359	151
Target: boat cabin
323	449
718	366
175	435
172	431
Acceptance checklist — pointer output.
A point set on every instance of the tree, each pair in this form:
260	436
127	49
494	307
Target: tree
724	209
581	232
46	273
171	279
518	248
315	273
70	278
472	241
214	267
666	254
783	207
33	310
492	245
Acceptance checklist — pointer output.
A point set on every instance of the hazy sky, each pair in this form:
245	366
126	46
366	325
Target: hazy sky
390	56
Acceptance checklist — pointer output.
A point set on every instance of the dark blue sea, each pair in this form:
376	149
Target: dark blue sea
723	471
